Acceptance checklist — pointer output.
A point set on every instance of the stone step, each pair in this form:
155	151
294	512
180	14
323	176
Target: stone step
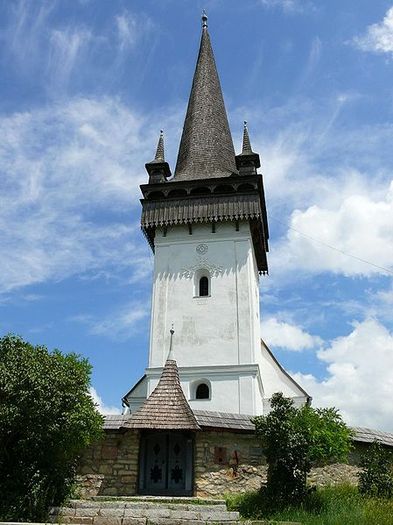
143	512
157	499
76	507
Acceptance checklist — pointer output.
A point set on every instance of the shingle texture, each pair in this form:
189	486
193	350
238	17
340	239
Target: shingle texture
367	435
166	407
160	152
115	422
224	420
206	147
246	146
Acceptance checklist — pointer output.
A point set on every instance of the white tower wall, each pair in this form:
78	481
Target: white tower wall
217	338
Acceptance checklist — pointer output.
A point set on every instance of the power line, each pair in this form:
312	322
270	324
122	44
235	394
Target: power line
333	247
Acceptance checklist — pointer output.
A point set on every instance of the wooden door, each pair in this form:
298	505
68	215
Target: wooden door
166	464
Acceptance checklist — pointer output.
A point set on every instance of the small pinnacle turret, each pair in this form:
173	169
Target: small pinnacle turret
246	148
158	169
247	161
160	154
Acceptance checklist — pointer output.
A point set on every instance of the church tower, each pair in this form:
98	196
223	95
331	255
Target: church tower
207	226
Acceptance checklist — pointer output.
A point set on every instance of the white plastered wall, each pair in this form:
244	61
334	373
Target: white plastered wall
217	338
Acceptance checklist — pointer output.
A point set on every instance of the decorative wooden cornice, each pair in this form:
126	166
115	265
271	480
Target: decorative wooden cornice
234	198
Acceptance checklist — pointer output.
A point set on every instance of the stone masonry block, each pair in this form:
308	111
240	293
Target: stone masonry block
86	512
82	520
111	512
109	452
104	520
134	521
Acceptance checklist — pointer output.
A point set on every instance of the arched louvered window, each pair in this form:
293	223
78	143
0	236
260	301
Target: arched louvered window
202	391
203	286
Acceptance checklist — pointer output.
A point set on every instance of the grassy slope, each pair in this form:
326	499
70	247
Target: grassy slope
340	505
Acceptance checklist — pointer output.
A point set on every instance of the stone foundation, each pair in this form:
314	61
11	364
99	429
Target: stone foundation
224	462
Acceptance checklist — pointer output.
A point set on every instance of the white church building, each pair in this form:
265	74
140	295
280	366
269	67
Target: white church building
187	427
207	226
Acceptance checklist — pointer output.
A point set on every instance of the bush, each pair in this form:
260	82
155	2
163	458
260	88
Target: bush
376	478
47	418
295	438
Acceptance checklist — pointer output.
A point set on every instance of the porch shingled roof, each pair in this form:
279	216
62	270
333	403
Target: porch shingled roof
166	408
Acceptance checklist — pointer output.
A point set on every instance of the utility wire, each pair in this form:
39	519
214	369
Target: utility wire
332	247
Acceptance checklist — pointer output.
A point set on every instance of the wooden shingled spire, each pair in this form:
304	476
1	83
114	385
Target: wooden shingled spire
166	408
206	148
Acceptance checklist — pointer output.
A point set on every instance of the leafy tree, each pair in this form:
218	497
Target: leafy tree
47	418
376	478
295	438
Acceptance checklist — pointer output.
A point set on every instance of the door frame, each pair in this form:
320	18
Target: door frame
189	438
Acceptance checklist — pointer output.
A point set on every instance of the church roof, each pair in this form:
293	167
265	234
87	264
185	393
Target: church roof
206	148
242	423
166	408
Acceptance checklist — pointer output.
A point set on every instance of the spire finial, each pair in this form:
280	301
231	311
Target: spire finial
160	154
170	354
204	19
246	139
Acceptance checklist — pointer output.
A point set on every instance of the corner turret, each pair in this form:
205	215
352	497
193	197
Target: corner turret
158	169
247	162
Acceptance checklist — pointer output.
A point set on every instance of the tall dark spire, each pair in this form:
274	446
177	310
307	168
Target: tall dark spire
206	147
157	168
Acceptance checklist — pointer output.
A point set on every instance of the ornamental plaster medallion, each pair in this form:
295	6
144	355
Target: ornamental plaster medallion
202	264
201	249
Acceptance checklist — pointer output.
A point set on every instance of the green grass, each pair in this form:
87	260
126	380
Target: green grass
339	505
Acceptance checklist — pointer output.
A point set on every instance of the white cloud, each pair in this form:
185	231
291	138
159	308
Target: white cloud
360	379
68	175
127	30
119	325
358	224
26	26
38	44
101	406
288	6
378	37
289	336
66	50
386	296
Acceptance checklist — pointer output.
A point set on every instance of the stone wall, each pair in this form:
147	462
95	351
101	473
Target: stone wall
227	462
110	467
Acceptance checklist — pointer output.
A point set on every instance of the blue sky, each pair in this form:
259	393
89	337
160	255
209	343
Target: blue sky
85	87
